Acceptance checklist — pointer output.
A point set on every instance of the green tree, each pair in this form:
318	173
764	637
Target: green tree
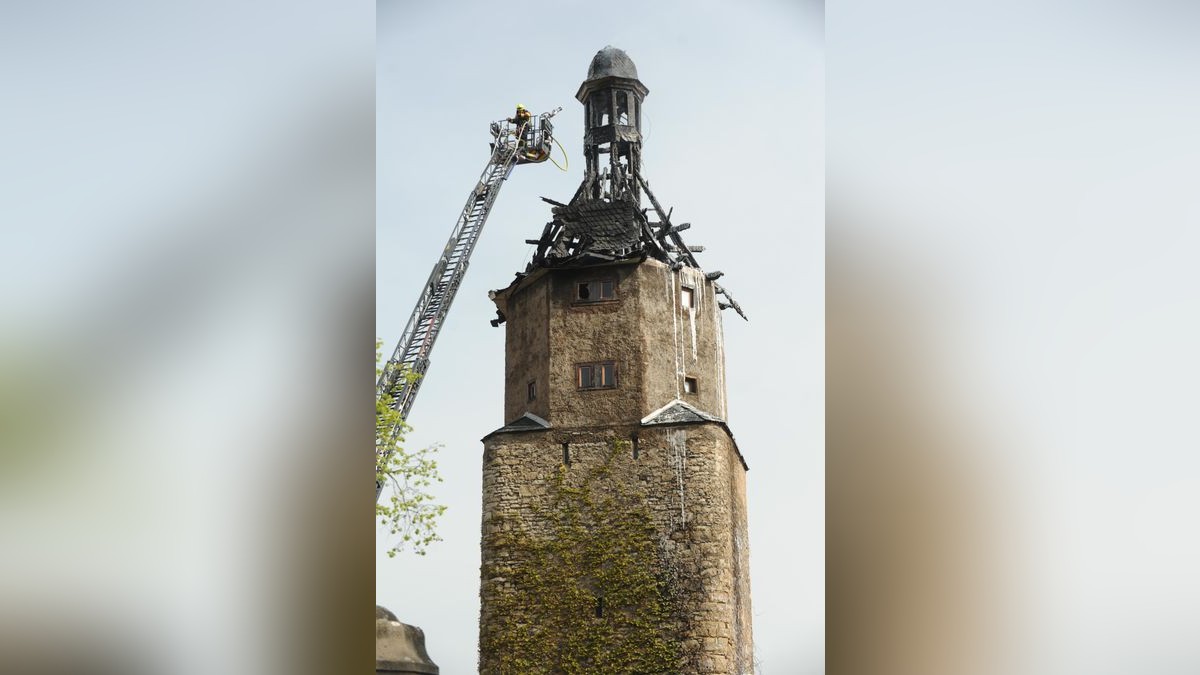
409	512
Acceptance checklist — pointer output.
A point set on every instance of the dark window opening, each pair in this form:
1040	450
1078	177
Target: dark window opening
690	385
566	448
599	107
600	607
531	390
688	297
622	108
635	446
596	375
596	291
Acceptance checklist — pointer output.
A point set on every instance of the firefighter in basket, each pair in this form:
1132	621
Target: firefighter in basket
521	123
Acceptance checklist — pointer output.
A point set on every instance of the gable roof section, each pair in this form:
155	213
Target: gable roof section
681	412
526	422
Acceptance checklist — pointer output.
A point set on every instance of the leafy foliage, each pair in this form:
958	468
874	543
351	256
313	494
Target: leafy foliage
589	593
409	512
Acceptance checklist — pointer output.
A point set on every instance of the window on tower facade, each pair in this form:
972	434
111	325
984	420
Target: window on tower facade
531	390
597	290
690	386
596	375
688	297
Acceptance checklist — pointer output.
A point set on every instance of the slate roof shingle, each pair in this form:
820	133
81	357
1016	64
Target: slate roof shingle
611	226
526	422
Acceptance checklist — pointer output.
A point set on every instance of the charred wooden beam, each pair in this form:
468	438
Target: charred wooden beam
720	290
579	191
665	217
551	201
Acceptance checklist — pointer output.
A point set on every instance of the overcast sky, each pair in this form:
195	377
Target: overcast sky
733	141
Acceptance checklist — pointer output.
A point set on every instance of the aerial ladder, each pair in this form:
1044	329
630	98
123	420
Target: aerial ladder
514	142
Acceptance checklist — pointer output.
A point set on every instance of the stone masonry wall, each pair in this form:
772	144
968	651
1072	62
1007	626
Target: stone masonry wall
528	352
680	341
655	340
693	485
588	332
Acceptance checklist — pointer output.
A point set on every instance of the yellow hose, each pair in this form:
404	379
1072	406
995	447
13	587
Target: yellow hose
566	158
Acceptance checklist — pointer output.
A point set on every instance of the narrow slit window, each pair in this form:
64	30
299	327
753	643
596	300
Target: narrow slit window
531	390
566	448
635	446
600	607
690	386
688	297
596	375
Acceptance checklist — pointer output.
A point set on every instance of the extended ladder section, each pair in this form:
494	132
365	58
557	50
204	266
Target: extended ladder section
405	370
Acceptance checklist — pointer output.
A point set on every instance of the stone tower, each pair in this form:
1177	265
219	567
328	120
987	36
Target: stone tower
614	532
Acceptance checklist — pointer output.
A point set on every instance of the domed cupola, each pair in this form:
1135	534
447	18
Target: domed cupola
612	98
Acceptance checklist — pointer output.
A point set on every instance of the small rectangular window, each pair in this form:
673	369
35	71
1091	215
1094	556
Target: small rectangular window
690	385
596	291
596	375
688	297
531	390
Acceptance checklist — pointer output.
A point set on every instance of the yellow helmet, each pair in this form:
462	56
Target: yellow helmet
520	107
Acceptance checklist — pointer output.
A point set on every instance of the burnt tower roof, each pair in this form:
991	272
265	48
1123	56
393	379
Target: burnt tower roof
611	66
605	221
612	62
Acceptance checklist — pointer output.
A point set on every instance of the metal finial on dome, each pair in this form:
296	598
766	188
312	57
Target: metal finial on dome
612	62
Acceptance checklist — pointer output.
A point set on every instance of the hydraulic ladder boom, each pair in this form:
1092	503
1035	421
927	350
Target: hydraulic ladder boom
405	370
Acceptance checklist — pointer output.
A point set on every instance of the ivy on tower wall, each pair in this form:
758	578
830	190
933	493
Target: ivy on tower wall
590	590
